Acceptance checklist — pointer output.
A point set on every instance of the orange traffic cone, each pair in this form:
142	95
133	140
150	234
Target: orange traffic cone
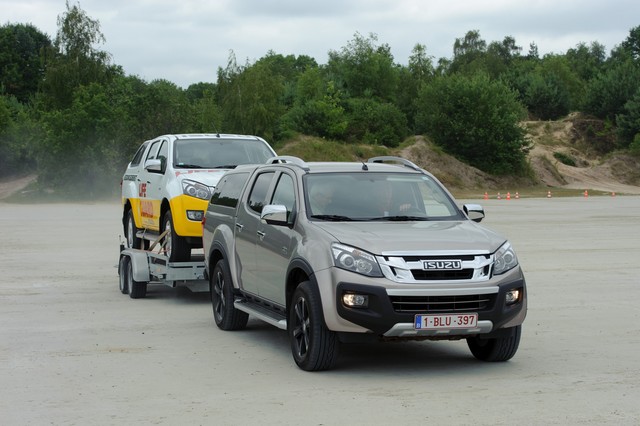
499	197
548	194
586	193
613	194
508	195
486	196
517	196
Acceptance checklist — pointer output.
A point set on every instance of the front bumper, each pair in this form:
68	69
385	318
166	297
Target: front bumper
392	313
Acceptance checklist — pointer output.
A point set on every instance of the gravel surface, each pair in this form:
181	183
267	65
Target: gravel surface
73	350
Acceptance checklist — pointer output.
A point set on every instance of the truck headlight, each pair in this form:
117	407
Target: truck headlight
505	259
195	189
355	260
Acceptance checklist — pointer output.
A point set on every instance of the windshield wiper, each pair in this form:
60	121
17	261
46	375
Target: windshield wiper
332	217
189	166
227	166
400	218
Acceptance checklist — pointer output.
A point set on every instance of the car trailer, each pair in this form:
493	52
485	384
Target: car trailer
137	268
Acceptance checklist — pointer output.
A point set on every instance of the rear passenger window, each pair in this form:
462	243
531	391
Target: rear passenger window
228	190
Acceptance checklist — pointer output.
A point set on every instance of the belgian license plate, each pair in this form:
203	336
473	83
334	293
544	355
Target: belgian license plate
445	321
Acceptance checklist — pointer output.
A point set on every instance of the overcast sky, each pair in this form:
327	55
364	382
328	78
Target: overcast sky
185	41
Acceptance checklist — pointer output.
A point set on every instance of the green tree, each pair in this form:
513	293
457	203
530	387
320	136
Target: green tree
21	70
477	120
75	60
250	98
608	92
364	69
375	123
629	121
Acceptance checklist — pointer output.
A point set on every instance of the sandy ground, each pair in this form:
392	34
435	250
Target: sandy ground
73	350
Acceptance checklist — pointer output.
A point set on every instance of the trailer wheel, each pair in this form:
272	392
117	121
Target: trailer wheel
226	316
123	275
137	289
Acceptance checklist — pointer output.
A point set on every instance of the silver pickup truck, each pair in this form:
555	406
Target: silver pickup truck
348	252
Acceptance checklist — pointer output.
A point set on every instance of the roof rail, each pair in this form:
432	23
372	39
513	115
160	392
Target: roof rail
290	160
390	158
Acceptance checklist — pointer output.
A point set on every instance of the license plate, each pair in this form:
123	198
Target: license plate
445	321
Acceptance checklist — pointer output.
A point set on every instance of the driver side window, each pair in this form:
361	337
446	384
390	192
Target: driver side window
284	194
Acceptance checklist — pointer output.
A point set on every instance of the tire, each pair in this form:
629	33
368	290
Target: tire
137	289
313	345
178	250
497	349
130	232
226	316
123	276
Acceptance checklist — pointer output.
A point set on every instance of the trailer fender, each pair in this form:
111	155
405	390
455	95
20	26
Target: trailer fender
139	262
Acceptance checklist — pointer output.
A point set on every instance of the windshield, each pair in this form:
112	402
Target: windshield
369	196
218	153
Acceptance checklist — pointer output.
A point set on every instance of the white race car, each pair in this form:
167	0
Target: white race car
169	181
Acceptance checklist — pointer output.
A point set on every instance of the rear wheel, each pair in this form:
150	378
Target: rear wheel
496	349
137	289
226	316
313	345
178	250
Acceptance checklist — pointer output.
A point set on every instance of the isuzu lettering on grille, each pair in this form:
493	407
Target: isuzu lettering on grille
442	265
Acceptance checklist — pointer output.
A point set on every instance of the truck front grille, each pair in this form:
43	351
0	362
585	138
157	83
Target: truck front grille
443	304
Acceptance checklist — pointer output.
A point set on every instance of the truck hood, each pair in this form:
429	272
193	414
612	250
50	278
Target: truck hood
384	237
209	177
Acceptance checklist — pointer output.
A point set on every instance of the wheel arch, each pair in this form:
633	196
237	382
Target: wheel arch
299	271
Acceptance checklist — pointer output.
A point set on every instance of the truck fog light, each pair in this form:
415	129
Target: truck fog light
512	296
195	215
355	300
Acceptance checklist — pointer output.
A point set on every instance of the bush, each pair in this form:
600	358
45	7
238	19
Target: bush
375	123
476	120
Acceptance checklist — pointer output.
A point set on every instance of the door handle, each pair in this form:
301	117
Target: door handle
261	234
239	226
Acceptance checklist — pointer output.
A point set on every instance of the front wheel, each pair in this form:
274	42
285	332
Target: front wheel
177	248
496	349
226	316
313	345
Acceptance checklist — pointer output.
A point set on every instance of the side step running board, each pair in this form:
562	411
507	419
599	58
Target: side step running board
261	313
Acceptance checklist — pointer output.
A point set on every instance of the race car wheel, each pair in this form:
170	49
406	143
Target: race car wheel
226	316
130	231
177	248
313	345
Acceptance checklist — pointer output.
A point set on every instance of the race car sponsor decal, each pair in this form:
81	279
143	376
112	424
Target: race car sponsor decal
146	208
142	190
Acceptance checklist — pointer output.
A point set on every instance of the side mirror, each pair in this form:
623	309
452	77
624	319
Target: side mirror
154	165
274	214
474	212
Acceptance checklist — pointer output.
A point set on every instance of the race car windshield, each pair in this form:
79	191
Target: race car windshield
218	153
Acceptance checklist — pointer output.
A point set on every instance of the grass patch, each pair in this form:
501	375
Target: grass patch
565	159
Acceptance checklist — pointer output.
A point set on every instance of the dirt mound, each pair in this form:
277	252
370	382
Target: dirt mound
568	154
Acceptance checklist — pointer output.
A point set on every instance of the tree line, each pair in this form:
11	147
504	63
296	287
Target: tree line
70	114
